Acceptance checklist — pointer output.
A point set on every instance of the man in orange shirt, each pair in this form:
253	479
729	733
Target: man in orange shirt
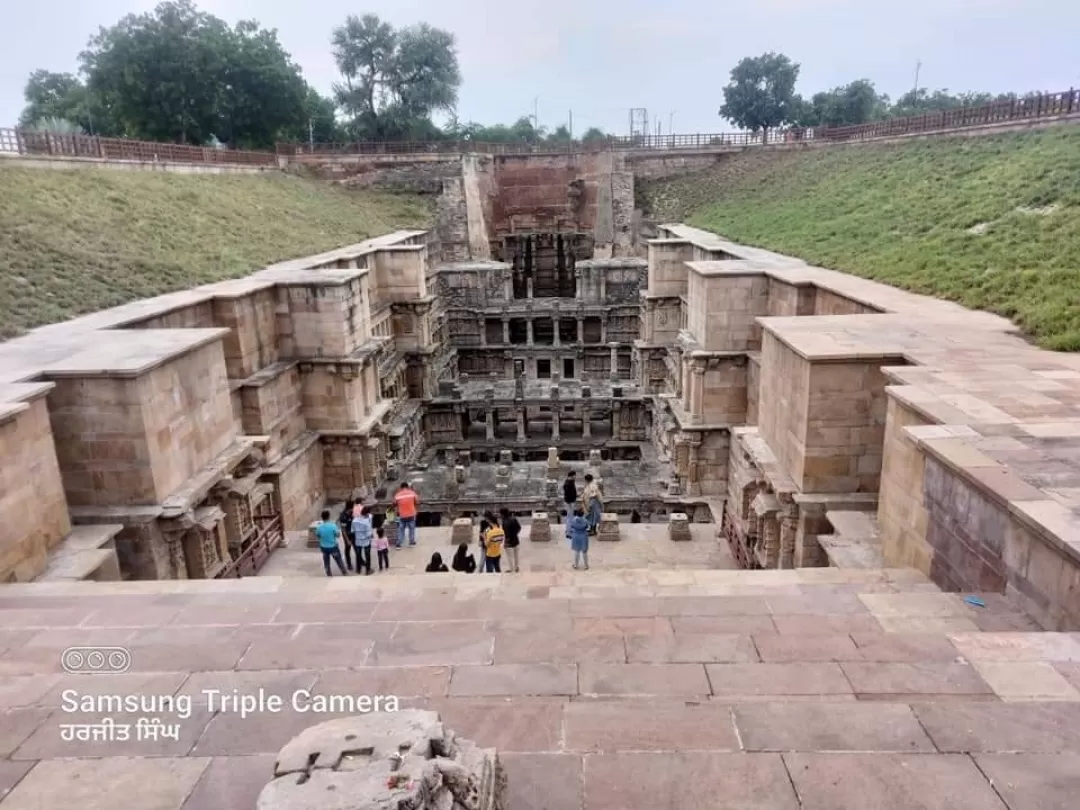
405	501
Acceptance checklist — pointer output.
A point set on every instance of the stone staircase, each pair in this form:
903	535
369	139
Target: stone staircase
603	690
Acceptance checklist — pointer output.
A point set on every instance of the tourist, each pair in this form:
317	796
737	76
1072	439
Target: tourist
569	496
382	548
362	534
405	501
345	520
592	503
485	524
463	561
328	534
579	538
493	544
436	566
512	529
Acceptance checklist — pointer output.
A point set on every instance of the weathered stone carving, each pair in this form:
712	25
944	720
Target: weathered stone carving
403	760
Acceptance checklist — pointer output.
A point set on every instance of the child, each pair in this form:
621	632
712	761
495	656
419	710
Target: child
579	538
382	548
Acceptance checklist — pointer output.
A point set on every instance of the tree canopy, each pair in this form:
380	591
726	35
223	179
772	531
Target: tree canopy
761	93
393	80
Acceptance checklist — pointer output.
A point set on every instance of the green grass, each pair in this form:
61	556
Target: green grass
949	217
76	241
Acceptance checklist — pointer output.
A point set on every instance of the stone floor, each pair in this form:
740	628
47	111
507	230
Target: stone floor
613	689
643	545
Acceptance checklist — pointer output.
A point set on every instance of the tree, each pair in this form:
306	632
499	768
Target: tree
62	96
848	105
761	93
593	134
393	80
178	74
921	101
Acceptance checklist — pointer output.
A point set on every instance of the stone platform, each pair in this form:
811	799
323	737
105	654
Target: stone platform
605	690
641	545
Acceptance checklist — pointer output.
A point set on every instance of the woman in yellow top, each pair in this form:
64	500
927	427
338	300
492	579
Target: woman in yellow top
493	544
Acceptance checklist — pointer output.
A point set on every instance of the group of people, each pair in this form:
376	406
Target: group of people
358	529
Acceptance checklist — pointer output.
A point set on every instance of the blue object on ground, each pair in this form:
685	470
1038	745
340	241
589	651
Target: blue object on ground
974	600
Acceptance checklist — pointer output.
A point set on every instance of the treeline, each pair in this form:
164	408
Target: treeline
180	75
761	96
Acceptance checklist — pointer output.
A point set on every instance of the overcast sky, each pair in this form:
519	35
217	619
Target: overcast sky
599	58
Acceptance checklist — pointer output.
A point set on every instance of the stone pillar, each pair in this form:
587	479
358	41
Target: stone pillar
580	330
489	424
603	329
529	332
521	424
787	541
679	527
555	423
614	374
528	288
506	330
697	402
553	459
586	424
540	531
483	330
558	340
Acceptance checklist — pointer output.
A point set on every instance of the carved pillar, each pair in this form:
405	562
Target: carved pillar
529	287
506	330
529	332
693	468
555	417
697	404
489	424
580	330
787	540
521	424
558	339
650	313
586	423
614	360
483	330
603	329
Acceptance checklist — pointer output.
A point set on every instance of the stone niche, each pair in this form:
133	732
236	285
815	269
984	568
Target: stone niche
32	501
133	424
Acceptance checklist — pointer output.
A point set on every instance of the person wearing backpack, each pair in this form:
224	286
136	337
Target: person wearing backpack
512	529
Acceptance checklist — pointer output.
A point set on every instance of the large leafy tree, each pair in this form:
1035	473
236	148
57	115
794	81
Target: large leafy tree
761	93
63	96
392	81
179	74
848	105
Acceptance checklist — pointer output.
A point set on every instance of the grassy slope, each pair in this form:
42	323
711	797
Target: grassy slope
76	241
902	214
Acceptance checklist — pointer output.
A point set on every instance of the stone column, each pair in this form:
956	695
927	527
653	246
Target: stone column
603	329
586	424
787	541
506	330
697	403
483	330
555	423
580	330
558	339
529	331
614	373
489	424
521	424
528	288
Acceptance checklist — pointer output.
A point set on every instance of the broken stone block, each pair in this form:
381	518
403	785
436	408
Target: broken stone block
461	531
541	527
609	527
679	527
459	473
553	458
394	760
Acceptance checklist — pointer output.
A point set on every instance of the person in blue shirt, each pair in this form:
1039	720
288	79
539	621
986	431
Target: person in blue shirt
578	527
362	534
329	534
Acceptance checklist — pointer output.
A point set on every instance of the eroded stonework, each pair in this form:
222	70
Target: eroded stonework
405	760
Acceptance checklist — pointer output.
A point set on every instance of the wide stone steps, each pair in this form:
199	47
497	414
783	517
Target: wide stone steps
602	690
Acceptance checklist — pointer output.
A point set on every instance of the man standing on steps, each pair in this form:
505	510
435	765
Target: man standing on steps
512	529
328	534
362	534
406	501
569	496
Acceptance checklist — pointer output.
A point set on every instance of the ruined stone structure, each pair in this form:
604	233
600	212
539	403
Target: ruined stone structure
399	760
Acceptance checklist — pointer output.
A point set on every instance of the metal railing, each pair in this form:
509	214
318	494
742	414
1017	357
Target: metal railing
55	144
48	144
253	557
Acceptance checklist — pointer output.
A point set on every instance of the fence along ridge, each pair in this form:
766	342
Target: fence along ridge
1045	105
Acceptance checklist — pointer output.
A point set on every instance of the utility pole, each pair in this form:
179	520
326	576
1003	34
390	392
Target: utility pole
570	144
311	134
536	115
915	93
671	122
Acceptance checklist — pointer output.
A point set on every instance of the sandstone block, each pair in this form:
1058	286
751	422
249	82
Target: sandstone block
506	457
541	527
386	760
679	527
609	527
461	531
459	473
594	458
